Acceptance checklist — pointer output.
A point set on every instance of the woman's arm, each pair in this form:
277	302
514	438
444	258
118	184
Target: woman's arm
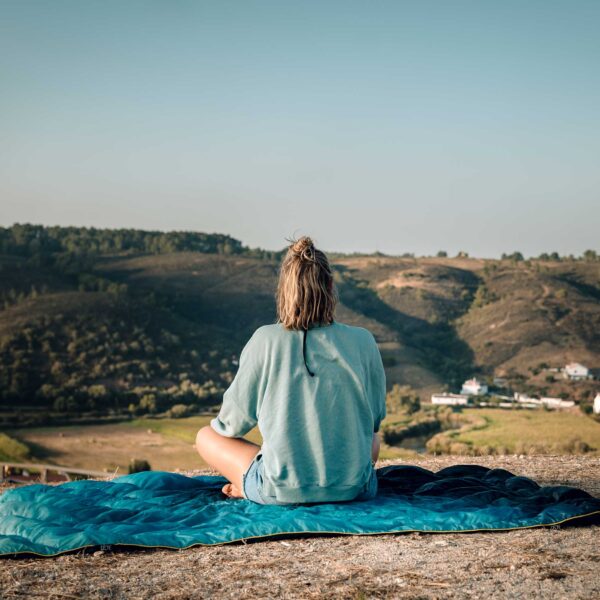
239	411
376	445
377	385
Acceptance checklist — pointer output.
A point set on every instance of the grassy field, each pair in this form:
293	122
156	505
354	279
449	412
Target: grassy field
527	431
111	447
13	450
185	430
167	444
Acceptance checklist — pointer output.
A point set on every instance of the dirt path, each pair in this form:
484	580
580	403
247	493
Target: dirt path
535	563
540	302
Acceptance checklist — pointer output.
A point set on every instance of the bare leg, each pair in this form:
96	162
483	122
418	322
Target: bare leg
231	457
375	447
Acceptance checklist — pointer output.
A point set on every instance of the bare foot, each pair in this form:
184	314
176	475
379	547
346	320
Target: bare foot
230	490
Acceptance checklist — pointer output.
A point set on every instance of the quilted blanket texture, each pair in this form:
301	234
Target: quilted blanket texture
169	510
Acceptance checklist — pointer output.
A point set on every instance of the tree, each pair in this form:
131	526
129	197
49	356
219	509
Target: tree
98	391
442	254
148	403
515	256
178	411
402	398
483	296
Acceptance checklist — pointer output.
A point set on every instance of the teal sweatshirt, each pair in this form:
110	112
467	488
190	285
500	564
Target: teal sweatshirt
317	429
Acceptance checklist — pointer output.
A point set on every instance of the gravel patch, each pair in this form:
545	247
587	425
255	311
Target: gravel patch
531	563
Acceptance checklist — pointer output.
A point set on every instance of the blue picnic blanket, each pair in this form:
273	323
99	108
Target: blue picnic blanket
168	510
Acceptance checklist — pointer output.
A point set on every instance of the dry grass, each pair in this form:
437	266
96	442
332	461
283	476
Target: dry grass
167	444
519	430
533	563
109	447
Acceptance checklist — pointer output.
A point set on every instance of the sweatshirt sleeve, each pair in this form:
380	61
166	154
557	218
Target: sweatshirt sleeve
377	386
239	411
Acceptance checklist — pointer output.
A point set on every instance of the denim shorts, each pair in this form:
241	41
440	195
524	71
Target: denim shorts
252	483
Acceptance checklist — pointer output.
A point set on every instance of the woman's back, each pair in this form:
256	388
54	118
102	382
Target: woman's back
317	430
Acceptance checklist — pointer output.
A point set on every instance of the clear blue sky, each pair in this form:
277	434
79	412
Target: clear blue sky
387	125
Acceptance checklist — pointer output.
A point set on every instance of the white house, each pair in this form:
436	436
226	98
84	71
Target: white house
473	387
597	404
526	401
450	399
557	403
575	371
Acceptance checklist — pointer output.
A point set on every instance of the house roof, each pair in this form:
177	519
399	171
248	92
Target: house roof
575	365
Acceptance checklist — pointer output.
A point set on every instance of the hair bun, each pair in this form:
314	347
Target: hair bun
304	248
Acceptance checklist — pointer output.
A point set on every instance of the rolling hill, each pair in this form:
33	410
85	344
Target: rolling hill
105	327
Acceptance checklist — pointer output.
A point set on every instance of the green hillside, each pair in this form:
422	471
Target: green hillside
109	322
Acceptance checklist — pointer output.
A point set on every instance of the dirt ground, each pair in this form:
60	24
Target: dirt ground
531	563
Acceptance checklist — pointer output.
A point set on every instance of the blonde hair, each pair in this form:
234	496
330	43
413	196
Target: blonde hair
306	293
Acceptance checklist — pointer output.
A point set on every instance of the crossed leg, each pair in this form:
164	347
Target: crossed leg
231	457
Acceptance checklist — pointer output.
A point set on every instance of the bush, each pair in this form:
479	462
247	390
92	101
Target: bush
438	444
178	411
98	391
576	446
11	449
483	450
148	403
389	361
459	448
402	398
394	434
137	465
